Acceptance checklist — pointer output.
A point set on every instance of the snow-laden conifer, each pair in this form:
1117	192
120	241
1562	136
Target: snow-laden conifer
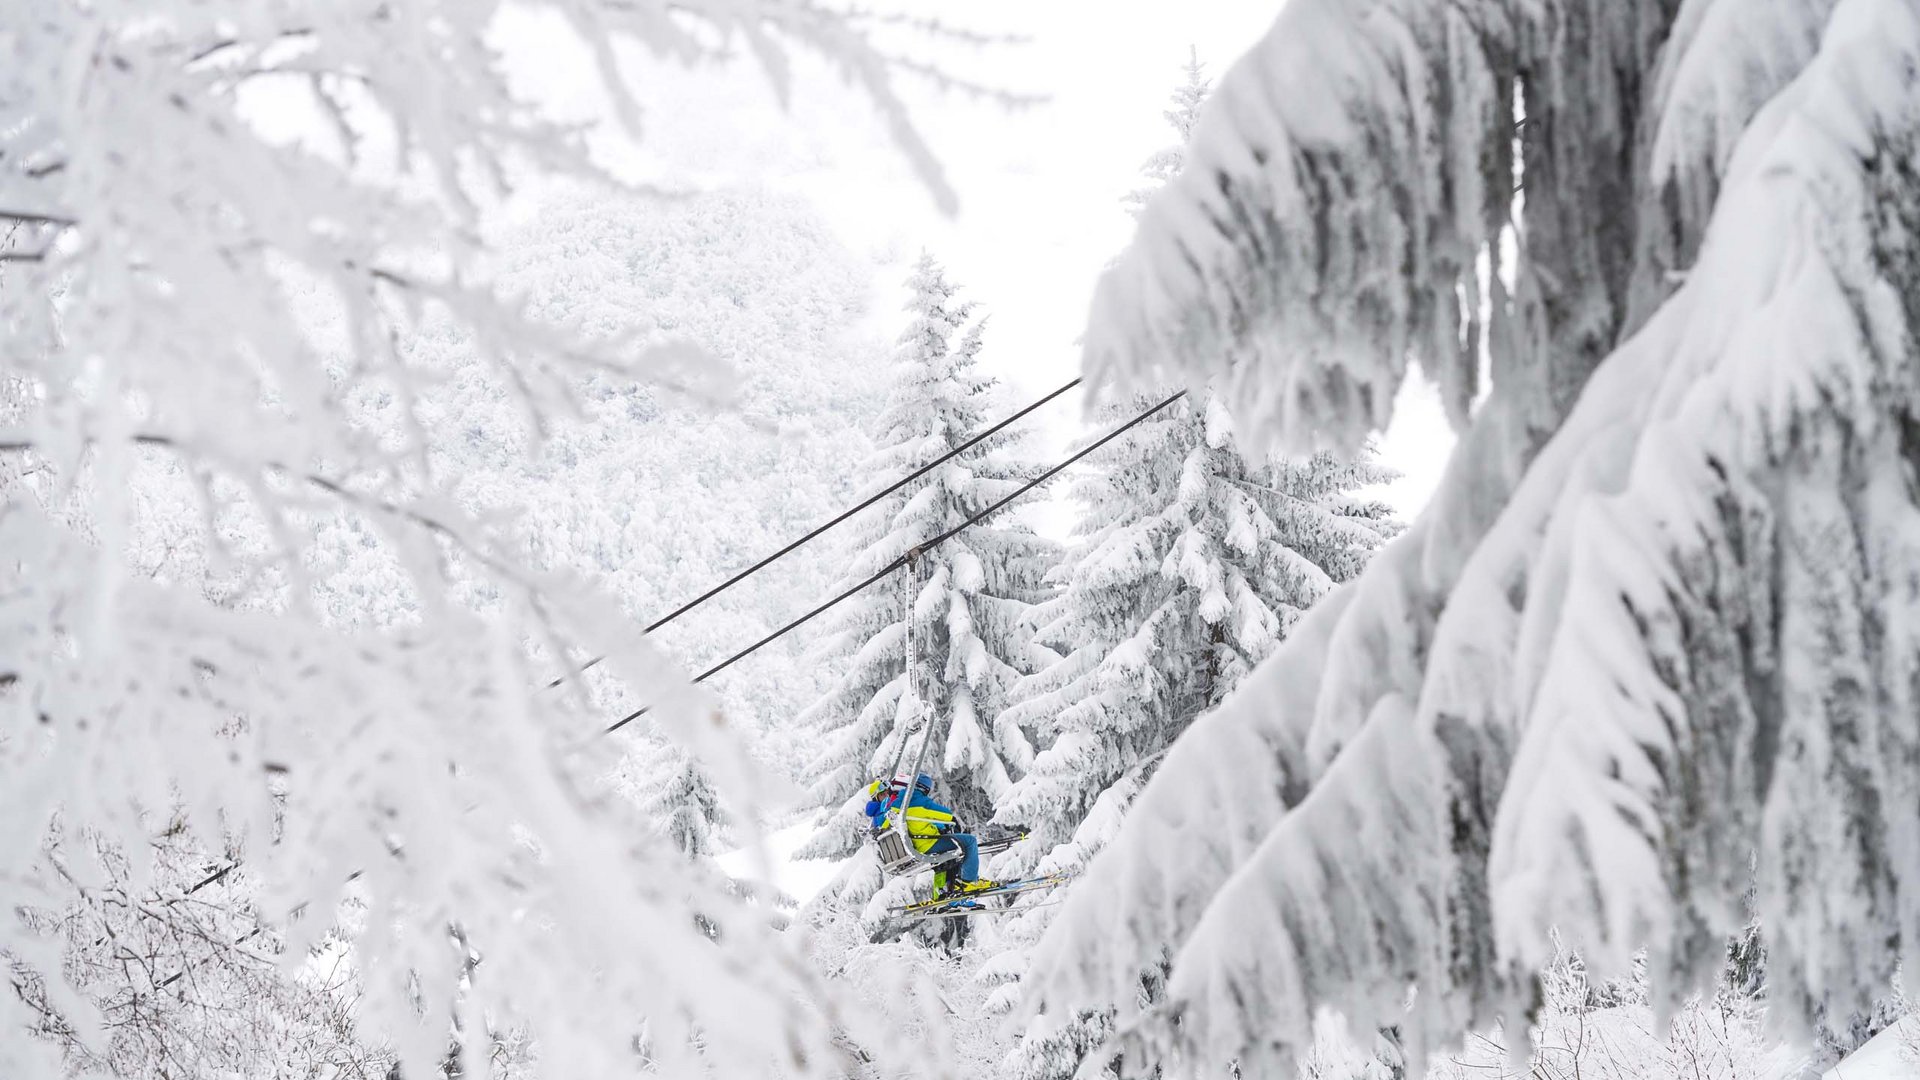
679	798
1182	112
1655	624
967	601
1191	565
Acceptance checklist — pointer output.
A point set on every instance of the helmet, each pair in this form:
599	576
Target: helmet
924	783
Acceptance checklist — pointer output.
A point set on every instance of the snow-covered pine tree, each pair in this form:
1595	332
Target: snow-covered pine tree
678	797
1181	114
970	596
1191	568
1656	622
1192	563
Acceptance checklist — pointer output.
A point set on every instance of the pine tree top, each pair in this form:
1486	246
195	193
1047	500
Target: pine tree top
968	598
1183	114
1188	97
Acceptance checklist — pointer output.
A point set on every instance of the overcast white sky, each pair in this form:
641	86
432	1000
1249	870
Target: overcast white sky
1039	186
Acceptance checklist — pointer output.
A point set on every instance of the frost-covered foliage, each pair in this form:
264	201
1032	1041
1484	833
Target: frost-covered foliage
1191	566
1838	1037
968	598
655	500
1655	625
1192	563
164	239
927	996
1181	114
1589	1027
1891	1055
184	977
681	800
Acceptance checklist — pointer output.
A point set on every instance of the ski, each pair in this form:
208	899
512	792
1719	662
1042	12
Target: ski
964	904
962	913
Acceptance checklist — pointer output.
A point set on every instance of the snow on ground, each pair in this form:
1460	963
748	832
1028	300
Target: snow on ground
1894	1054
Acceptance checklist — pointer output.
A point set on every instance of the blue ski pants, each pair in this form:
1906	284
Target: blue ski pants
969	861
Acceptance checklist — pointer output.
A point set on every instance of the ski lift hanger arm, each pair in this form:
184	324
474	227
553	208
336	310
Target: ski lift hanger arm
902	560
908	598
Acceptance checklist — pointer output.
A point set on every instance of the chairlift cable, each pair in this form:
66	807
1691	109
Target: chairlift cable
904	559
844	515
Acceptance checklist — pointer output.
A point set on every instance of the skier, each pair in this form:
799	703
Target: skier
933	830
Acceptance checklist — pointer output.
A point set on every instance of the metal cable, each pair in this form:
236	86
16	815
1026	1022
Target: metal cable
902	560
862	505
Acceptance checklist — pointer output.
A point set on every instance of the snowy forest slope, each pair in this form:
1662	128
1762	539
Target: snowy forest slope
661	501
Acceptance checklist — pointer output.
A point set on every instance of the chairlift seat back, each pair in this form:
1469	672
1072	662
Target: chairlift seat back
897	858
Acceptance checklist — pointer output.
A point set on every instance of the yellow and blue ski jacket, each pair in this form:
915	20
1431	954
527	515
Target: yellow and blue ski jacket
927	821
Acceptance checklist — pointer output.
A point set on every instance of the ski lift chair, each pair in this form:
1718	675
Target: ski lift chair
897	855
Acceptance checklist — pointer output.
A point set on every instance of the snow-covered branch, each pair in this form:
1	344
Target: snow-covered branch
1652	628
244	574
